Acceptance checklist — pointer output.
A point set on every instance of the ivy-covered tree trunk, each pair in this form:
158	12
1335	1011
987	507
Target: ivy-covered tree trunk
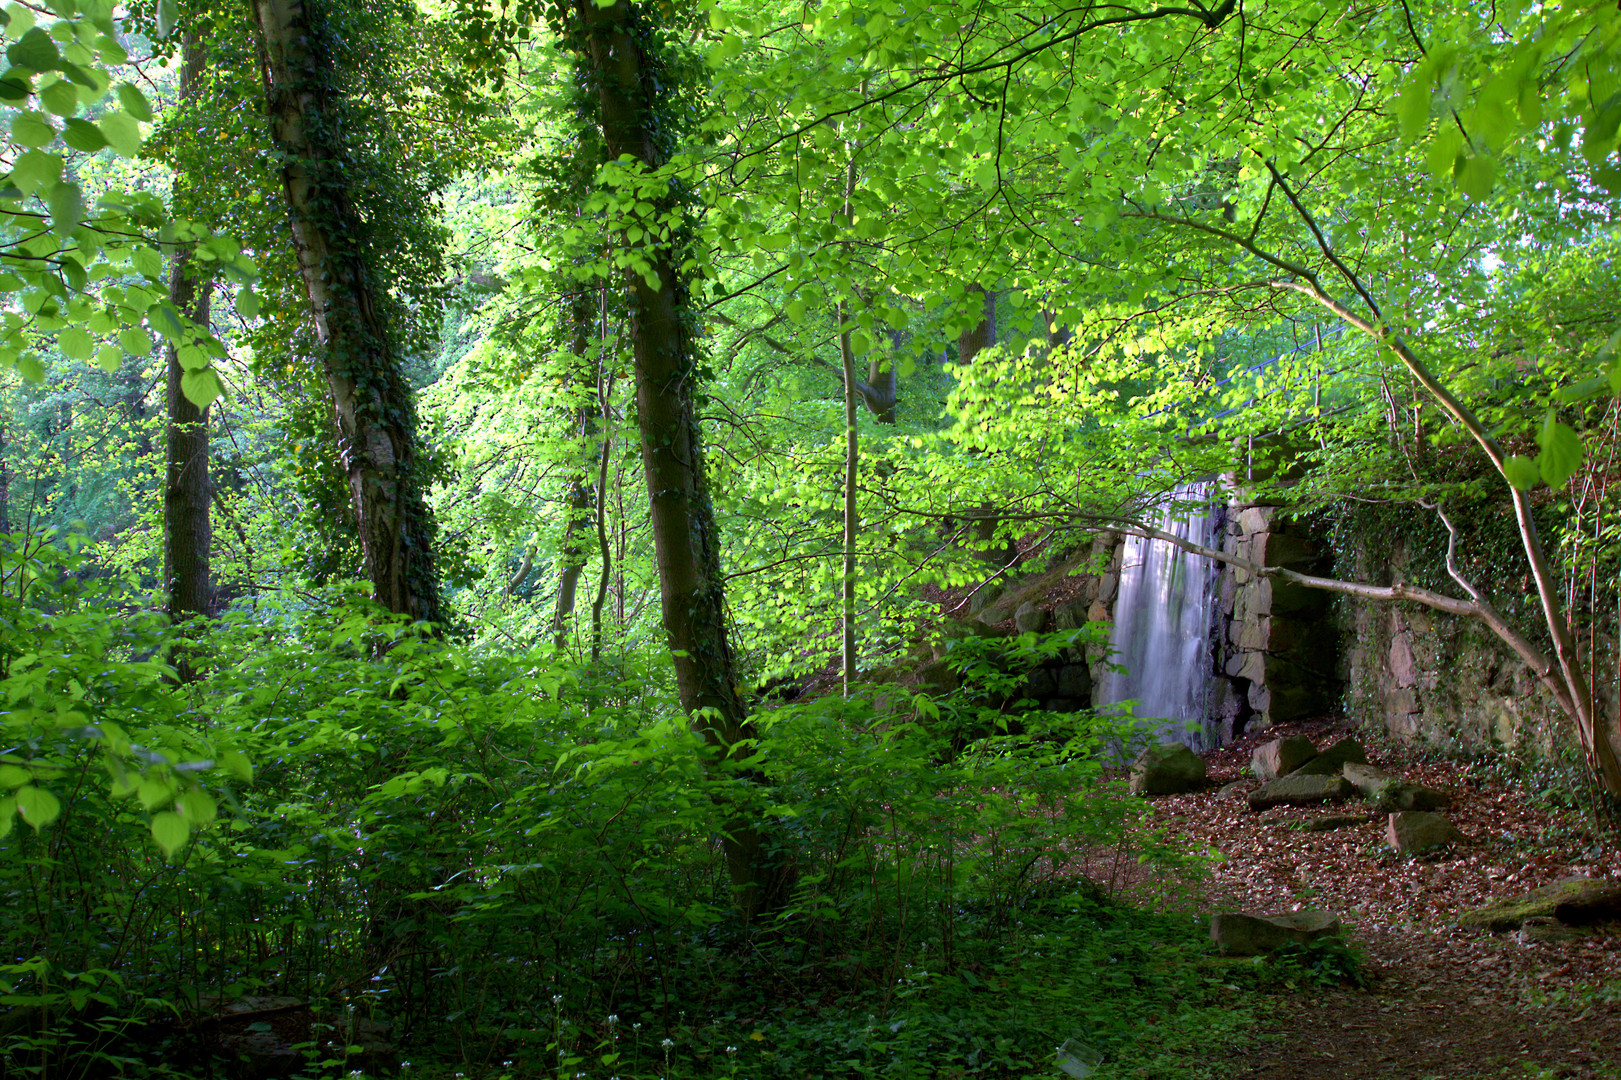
632	89
373	408
187	531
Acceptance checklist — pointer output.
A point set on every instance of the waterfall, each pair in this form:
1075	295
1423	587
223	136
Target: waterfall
1164	622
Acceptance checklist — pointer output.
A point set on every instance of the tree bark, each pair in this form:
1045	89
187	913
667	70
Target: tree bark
631	92
373	407
187	530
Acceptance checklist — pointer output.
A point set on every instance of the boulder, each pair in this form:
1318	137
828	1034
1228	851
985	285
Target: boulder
1411	832
1240	933
1029	619
1234	789
1367	779
1571	900
1069	616
1297	790
1390	793
1281	756
1332	760
1167	769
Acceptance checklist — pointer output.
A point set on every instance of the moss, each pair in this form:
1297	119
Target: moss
1558	899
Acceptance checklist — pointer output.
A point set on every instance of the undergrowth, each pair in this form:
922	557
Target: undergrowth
515	867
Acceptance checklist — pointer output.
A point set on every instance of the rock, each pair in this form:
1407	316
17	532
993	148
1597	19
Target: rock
1029	619
1166	769
1069	616
1097	613
1389	793
1075	680
1297	790
1106	587
1330	822
938	677
1545	928
1240	933
1281	756
1334	759
1367	779
1571	900
1040	683
1234	789
1402	667
1414	831
984	598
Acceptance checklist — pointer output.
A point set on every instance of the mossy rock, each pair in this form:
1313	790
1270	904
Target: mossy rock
1574	900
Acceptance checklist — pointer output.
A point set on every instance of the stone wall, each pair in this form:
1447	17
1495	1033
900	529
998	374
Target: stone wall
1278	644
1436	680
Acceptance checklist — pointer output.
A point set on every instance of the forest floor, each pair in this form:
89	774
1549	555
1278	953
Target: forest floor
1440	1001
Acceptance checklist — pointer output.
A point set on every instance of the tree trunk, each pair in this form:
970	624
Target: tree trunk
971	342
580	498
852	460
372	405
632	93
187	531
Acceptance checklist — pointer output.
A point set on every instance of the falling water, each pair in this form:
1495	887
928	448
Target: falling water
1163	620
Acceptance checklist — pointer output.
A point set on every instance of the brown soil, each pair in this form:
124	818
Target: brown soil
1441	1002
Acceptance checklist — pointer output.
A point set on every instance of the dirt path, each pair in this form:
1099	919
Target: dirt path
1442	1002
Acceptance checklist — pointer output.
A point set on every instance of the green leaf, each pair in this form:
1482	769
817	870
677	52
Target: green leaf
795	310
36	52
201	388
32	130
1476	176
170	830
134	102
237	764
147	262
84	136
168	15
123	133
197	807
67	207
1561	452
37	806
247	303
8	811
1413	106
60	98
29	367
110	358
14	88
1521	472
76	344
35	170
1442	156
135	341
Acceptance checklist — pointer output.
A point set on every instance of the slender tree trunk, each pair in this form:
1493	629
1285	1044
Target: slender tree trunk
852	461
373	407
580	498
187	531
686	546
